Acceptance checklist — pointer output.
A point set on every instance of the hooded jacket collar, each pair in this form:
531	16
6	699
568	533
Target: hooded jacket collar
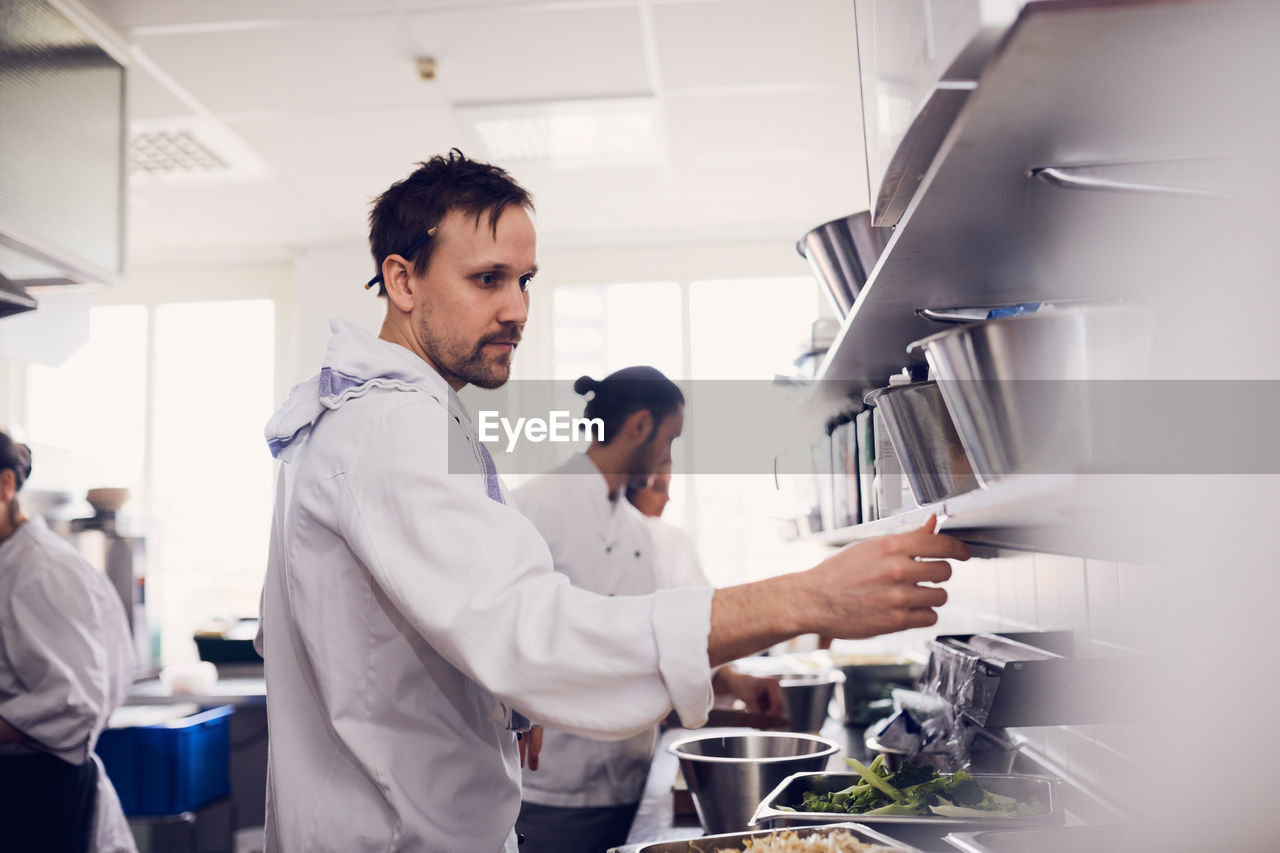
355	362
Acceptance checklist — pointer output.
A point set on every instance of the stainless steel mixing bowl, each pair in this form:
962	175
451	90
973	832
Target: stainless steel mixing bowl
730	774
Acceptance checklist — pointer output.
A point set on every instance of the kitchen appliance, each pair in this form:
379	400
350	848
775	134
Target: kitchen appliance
111	544
1032	393
729	774
781	807
920	427
842	253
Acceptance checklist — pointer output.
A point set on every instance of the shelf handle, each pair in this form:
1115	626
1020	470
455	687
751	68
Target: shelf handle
1084	178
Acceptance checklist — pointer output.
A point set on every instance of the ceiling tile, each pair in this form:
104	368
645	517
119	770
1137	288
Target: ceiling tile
356	141
322	64
737	43
346	199
147	98
726	125
128	15
547	52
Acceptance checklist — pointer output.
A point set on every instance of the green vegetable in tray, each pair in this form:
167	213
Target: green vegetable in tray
916	790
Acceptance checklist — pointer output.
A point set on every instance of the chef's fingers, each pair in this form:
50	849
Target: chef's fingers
926	571
918	543
920	618
917	597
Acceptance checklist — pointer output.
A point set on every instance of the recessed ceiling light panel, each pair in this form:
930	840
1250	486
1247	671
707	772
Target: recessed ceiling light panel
584	133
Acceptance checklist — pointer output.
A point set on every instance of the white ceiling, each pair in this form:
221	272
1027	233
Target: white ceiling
758	109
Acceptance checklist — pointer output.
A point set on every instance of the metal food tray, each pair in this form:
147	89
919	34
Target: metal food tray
791	789
734	840
1098	838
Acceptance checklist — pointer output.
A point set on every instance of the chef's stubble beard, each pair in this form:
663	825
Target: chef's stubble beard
469	367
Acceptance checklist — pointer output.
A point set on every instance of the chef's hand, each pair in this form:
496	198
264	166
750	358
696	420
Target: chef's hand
530	744
761	695
864	590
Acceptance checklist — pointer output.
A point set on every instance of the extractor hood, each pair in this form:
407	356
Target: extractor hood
62	174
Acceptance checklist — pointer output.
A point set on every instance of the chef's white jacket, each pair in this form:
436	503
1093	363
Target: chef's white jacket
66	660
411	620
605	546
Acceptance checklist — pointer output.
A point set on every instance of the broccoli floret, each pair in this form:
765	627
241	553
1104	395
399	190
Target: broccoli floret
962	789
911	774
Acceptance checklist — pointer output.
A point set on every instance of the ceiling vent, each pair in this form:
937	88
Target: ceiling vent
576	133
190	150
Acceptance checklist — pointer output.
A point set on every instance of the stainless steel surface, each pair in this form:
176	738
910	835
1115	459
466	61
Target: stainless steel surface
916	151
778	808
729	774
953	315
980	231
932	457
868	683
808	697
842	253
1103	838
1024	392
735	840
1100	178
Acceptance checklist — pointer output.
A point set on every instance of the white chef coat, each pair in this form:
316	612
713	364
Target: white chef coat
675	555
66	660
408	612
606	546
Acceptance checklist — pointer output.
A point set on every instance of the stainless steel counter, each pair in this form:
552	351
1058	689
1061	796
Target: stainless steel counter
655	820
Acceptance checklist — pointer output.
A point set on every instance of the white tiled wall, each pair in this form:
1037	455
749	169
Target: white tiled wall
1110	608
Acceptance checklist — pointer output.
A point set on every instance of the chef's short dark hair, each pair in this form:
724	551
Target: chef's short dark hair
16	457
624	392
403	215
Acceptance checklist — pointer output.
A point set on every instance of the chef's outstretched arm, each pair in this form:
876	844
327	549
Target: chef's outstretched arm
863	590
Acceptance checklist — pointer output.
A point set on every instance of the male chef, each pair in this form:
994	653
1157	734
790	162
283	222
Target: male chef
411	620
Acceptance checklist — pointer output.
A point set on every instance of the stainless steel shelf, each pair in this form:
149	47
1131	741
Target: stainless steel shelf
1060	513
1074	84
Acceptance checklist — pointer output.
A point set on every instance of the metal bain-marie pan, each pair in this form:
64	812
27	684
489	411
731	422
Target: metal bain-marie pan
736	840
779	809
925	439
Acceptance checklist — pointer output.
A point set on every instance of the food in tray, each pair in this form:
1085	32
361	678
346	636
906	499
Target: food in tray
834	841
916	790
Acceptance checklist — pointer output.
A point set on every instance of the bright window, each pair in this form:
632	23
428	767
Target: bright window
744	330
198	467
212	475
93	407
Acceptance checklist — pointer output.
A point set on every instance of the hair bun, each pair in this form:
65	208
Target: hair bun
584	384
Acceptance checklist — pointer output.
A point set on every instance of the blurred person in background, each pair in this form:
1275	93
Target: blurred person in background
66	662
580	795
